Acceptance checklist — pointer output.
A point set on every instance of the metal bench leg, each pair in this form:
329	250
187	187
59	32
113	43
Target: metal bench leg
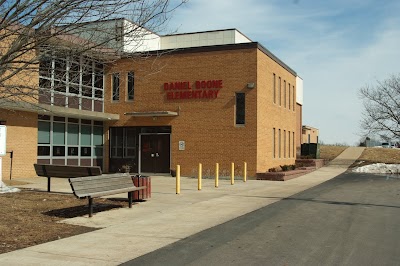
130	199
48	184
90	206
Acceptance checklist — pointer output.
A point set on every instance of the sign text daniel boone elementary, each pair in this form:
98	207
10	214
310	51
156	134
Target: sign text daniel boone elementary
200	89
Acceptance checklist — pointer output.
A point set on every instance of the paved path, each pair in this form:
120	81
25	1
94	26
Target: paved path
165	218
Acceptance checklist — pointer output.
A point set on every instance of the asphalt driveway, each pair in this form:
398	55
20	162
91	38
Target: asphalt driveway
352	219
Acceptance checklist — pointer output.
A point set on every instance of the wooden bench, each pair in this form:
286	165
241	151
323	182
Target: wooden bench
65	171
96	186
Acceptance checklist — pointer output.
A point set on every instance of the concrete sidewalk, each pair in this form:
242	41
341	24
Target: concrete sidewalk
166	217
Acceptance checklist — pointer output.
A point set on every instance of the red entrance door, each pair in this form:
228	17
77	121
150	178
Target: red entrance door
155	153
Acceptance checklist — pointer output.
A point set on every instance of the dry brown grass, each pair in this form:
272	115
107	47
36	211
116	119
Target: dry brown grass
369	156
380	155
328	152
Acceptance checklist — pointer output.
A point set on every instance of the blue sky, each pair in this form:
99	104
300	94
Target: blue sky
336	46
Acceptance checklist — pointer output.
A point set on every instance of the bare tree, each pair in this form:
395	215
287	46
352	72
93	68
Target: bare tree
381	114
34	32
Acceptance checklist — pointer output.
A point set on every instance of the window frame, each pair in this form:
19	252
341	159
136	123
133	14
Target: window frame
240	113
115	87
130	86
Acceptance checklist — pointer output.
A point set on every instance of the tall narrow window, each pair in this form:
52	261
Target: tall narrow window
284	93
115	87
294	97
131	86
290	97
280	91
274	87
273	143
289	142
284	144
293	145
240	108
279	143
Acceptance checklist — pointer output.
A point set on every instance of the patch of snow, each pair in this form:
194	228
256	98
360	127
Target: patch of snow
379	168
6	189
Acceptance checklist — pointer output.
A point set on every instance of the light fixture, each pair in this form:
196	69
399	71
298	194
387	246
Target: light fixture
251	85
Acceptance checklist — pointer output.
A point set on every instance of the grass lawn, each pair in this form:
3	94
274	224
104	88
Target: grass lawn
369	155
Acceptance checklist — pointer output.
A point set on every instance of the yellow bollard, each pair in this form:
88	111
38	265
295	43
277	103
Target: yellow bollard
233	173
244	172
199	177
178	179
216	174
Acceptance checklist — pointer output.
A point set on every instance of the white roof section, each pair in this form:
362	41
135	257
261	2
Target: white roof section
299	90
206	38
140	39
126	36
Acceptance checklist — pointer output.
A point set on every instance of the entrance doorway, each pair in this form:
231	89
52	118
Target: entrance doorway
155	153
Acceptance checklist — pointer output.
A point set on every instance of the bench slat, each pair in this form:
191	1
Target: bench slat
101	183
66	171
83	194
99	177
95	188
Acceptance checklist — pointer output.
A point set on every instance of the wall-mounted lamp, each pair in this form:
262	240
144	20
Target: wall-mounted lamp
251	85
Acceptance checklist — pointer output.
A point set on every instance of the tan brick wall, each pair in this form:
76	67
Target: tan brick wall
25	78
274	115
299	125
21	126
312	132
208	125
22	140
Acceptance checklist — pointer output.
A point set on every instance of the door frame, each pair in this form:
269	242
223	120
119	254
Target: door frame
140	150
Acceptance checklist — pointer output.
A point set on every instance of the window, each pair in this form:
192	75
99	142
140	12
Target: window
274	143
123	142
279	143
274	87
293	145
73	134
289	143
64	138
115	87
284	144
86	140
280	91
290	97
98	141
284	93
240	108
116	142
294	98
130	143
131	86
65	79
43	138
73	139
43	132
98	76
59	133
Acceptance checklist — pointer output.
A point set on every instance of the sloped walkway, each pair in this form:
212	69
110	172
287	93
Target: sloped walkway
166	217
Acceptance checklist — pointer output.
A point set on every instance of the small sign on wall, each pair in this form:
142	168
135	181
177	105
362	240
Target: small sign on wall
3	138
181	145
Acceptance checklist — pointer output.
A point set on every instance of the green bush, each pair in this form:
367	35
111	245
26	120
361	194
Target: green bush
288	167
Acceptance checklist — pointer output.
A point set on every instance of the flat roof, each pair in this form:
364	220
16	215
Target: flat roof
222	47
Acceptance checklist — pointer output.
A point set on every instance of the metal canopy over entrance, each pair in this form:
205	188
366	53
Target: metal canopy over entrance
153	113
